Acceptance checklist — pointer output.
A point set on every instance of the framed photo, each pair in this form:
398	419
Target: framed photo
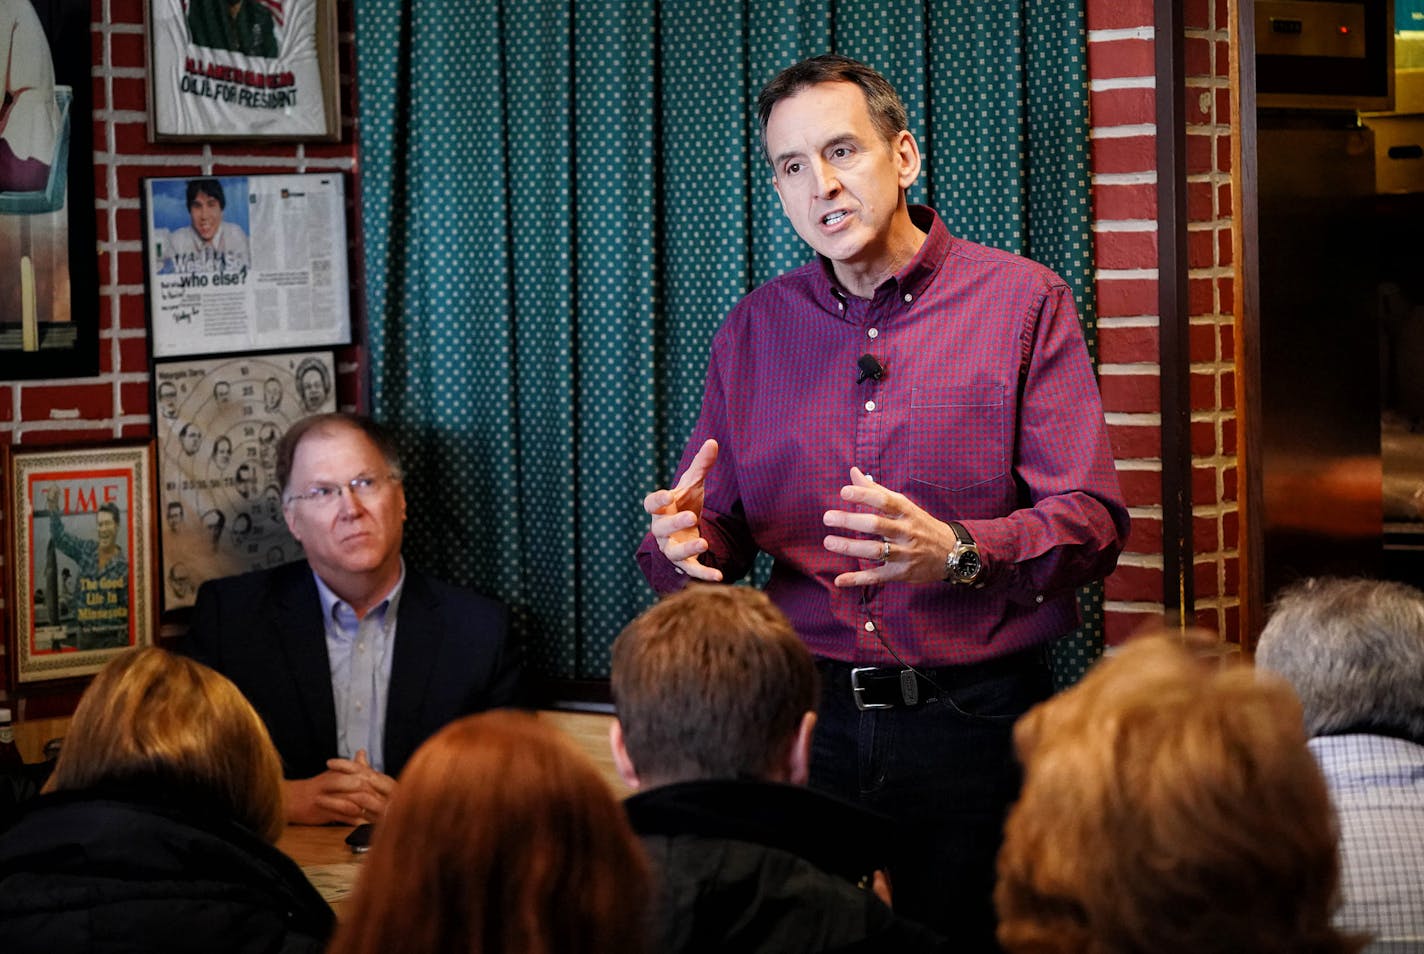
242	69
79	585
246	263
218	422
49	274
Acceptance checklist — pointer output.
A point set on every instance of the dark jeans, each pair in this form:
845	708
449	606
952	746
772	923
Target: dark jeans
946	772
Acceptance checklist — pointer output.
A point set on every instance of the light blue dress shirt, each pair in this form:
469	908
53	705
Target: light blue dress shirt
1377	785
360	652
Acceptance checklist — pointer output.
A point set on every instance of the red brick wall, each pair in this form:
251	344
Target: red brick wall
1121	40
117	403
1216	512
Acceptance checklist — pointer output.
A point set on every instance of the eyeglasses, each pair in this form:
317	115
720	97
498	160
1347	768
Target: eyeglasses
364	487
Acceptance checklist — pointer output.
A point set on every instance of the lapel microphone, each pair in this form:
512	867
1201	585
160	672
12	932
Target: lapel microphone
870	367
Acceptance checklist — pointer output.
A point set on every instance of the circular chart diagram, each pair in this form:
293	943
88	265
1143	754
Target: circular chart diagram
218	424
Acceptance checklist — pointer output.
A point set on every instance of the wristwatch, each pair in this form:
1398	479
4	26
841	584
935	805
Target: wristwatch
963	564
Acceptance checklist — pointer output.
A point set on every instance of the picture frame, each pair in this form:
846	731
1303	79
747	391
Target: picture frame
268	72
243	263
218	421
80	556
49	274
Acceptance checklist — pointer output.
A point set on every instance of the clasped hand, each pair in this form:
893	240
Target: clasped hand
349	792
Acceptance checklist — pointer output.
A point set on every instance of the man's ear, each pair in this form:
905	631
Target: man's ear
798	759
621	761
907	157
291	521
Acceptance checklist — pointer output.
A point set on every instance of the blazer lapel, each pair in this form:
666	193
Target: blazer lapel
417	650
302	637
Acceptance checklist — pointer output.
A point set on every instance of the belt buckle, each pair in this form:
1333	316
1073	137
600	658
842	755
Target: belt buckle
856	689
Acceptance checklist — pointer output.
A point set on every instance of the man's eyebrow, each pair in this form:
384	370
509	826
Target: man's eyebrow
782	157
841	137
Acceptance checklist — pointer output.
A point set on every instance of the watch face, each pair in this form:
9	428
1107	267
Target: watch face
967	567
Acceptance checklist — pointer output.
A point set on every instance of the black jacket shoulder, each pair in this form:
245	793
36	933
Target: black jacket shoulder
759	867
90	872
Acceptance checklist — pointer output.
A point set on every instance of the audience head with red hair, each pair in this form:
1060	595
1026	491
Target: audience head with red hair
501	839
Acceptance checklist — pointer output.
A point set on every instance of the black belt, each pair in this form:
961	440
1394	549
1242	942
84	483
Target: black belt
888	687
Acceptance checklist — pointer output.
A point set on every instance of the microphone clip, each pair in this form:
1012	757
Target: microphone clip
869	367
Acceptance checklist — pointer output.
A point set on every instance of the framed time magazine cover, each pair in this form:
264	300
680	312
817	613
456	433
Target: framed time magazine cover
246	263
242	69
79	581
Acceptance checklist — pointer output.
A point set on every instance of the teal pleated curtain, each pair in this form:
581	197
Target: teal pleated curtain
561	200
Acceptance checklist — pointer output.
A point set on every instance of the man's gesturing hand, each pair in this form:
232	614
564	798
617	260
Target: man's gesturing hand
917	542
676	515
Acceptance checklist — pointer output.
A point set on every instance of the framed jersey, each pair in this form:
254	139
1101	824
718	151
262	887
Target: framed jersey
242	69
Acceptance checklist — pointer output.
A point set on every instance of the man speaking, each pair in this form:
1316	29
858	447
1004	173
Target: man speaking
910	426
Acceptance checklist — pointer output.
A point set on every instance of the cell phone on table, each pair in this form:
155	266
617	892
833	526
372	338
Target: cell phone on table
359	839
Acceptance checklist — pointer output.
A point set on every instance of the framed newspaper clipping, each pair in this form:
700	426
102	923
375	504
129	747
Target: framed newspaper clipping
246	263
218	421
242	69
81	554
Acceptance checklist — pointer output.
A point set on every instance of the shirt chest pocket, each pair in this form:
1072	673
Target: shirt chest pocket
962	436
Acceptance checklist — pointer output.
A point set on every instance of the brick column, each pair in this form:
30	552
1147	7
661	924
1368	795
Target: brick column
1124	179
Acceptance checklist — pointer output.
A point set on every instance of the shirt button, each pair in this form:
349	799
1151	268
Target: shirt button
1038	598
358	707
873	333
870	405
840	305
909	298
869	626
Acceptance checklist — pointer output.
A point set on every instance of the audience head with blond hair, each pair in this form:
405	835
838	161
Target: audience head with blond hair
501	839
158	826
712	682
1168	806
163	722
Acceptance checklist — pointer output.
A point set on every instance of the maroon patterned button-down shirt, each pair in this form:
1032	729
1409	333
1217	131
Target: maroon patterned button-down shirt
988	414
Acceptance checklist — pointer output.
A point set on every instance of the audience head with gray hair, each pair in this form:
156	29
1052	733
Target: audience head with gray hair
1353	649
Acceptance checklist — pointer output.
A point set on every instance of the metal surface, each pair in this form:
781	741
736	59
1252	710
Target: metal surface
1319	267
1316	54
1300	28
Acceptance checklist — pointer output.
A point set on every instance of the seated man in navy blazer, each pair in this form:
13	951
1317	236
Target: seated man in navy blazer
351	657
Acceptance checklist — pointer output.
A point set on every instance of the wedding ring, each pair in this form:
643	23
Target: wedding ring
885	551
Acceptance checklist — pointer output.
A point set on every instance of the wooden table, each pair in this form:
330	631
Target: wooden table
325	858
